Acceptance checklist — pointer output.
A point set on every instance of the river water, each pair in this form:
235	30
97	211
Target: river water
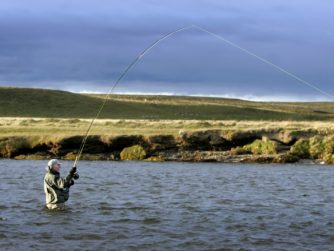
170	206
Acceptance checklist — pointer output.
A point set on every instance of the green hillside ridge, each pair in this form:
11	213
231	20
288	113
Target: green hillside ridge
44	103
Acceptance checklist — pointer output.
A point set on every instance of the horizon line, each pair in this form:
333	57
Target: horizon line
248	97
245	97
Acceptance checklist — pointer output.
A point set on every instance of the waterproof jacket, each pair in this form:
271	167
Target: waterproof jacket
55	187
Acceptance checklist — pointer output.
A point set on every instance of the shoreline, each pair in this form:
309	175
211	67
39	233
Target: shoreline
242	160
236	146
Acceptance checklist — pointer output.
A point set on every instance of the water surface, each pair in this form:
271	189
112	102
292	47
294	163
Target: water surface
170	206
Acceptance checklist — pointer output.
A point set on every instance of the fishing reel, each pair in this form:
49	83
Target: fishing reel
76	176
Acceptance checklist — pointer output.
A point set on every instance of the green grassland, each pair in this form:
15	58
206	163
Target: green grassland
44	122
42	103
26	111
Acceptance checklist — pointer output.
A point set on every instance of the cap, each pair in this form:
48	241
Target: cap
53	162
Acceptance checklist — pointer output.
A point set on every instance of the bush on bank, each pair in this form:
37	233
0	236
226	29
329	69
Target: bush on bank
317	147
127	147
257	147
301	148
135	152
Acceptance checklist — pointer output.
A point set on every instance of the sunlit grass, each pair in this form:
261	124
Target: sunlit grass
67	127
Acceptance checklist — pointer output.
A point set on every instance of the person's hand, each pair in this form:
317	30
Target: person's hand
76	176
73	170
71	183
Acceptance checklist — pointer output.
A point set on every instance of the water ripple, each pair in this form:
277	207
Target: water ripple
170	206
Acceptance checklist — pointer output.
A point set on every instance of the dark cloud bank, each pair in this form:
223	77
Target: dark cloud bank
84	46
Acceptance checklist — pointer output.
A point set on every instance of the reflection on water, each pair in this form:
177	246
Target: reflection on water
170	206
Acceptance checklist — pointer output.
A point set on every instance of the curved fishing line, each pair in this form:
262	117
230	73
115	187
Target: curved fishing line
133	63
266	62
138	58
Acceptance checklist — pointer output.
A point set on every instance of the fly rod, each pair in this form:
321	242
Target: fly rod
133	63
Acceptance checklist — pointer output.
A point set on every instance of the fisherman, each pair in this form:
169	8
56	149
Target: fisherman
55	187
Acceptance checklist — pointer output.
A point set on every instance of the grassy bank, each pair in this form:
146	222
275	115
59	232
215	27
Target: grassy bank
177	140
266	145
41	124
41	103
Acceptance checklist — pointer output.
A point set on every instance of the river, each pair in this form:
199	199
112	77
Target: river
170	206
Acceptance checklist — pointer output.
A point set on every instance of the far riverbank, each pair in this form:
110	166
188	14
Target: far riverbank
191	141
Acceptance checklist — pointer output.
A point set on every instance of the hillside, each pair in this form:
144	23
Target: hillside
43	103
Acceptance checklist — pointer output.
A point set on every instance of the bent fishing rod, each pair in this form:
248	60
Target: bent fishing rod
133	63
158	41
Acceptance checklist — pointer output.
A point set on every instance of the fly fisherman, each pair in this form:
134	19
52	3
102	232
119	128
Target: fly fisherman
55	187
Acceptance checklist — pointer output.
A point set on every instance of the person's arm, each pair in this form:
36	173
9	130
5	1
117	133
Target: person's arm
68	181
59	183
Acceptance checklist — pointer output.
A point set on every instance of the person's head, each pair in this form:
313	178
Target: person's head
54	165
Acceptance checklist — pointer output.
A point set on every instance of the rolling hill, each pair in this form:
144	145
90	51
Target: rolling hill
44	103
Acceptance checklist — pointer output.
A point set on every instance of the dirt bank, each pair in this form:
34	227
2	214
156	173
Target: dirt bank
260	146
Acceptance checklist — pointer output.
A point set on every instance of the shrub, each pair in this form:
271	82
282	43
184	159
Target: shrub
328	158
239	150
9	147
135	152
301	148
328	155
329	144
317	147
264	146
258	147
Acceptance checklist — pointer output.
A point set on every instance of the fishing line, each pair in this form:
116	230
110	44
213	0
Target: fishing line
158	41
266	62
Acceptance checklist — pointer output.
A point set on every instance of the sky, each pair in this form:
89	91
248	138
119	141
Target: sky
84	46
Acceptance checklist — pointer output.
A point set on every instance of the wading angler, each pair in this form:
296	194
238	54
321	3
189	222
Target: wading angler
56	188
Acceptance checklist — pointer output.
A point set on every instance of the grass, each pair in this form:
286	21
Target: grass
57	114
58	128
52	104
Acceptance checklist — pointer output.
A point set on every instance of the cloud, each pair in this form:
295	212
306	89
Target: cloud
85	44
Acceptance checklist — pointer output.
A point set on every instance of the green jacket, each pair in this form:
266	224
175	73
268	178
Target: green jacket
55	187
